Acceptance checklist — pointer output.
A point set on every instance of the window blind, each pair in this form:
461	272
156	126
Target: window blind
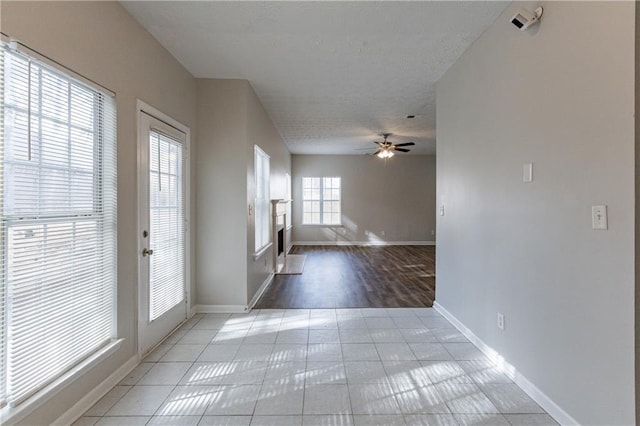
3	299
287	177
262	199
166	215
57	223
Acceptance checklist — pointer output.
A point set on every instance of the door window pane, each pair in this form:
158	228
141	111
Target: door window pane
166	217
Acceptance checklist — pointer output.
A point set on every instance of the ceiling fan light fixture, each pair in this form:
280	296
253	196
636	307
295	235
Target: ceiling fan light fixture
385	153
387	149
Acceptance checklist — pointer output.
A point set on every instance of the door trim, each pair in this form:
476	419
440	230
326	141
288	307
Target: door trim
146	109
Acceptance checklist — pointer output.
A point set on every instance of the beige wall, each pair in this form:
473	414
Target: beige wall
261	132
397	197
222	187
561	96
637	223
231	120
101	41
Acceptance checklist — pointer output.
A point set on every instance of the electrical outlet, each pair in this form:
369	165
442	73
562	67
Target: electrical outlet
442	210
383	233
500	321
433	232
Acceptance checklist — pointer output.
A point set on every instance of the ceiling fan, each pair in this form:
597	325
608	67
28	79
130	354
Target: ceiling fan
387	149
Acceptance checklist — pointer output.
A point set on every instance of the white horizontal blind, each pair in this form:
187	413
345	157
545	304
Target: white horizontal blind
58	223
167	230
3	300
262	198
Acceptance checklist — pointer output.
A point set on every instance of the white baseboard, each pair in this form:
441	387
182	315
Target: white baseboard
87	401
510	370
364	243
486	349
221	309
193	311
261	290
235	309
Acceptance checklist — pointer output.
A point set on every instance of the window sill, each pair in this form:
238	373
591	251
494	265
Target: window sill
257	255
11	415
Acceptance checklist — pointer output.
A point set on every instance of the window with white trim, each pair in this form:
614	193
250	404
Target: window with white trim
287	178
262	199
321	201
57	223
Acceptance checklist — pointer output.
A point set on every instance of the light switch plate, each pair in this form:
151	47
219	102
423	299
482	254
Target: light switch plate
501	321
527	172
599	217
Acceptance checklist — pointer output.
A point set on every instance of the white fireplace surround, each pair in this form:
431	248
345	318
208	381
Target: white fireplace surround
279	223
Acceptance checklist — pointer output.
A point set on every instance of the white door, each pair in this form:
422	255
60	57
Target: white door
162	248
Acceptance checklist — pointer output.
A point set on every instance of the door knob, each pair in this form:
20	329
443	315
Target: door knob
147	252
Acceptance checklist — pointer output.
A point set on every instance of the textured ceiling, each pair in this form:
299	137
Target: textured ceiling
332	75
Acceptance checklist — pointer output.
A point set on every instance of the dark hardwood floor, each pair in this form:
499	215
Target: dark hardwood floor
356	277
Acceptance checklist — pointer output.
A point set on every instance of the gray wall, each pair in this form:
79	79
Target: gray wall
101	41
397	197
231	120
560	96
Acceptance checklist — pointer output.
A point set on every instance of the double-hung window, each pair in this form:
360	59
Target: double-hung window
287	179
57	223
261	161
321	203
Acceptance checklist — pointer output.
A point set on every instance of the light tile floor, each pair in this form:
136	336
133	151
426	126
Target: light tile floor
342	367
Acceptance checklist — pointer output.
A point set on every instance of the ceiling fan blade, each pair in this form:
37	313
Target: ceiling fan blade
406	144
402	150
376	153
378	143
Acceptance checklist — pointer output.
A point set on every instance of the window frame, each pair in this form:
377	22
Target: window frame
321	201
266	202
101	209
289	223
